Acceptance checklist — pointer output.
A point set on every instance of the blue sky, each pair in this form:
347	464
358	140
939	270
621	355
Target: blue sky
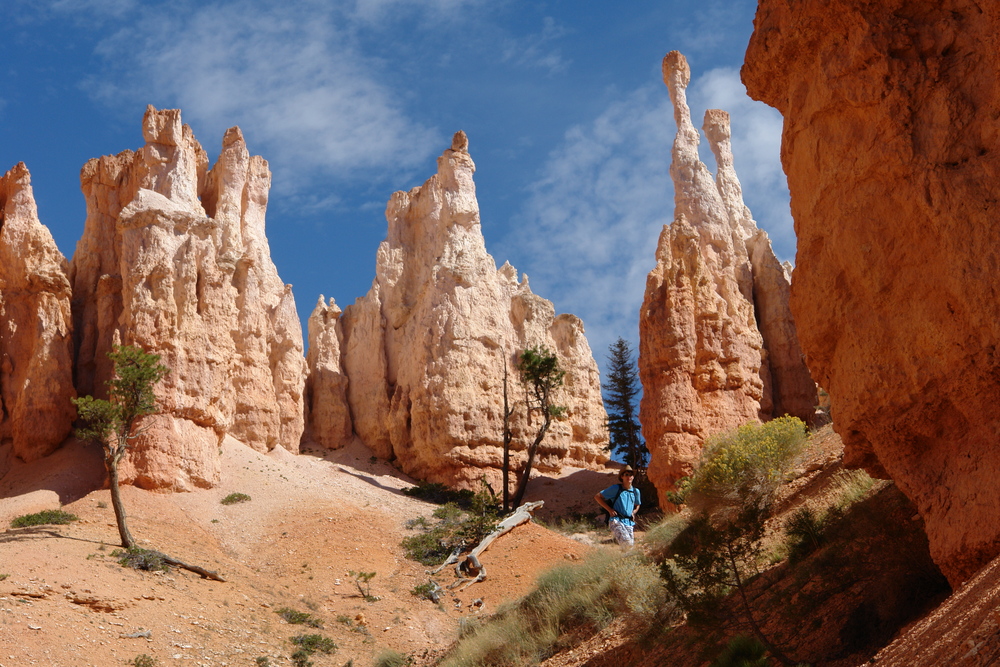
569	122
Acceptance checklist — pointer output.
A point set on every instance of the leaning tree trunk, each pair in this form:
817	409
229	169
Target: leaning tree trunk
522	484
116	502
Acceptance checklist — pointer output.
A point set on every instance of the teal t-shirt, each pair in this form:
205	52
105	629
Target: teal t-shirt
626	503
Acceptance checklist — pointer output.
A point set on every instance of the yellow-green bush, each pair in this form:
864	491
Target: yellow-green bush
753	459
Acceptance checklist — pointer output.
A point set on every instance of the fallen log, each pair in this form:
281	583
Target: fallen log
471	570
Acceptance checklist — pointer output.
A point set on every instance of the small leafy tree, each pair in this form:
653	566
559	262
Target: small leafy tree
115	422
621	395
540	374
732	493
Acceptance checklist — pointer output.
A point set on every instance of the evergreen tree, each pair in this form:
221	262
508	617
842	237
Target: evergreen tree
621	401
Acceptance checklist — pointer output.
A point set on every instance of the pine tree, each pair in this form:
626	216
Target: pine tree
620	399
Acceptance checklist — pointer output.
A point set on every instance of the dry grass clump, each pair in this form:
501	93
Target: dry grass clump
568	598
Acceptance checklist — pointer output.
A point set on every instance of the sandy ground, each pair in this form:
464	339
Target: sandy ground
311	520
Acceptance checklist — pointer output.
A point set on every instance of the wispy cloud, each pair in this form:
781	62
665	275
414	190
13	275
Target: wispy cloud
291	77
588	231
536	50
756	139
435	10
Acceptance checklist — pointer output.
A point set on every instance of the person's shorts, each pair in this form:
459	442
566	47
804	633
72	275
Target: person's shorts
621	531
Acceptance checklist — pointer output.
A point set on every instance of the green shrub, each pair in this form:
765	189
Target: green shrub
742	651
427	591
44	518
234	498
435	492
455	529
298	617
143	661
313	643
263	661
138	558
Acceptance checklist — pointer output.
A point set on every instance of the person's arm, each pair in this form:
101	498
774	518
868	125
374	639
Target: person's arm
600	500
638	504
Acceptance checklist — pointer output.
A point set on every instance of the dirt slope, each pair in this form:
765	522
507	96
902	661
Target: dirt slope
311	520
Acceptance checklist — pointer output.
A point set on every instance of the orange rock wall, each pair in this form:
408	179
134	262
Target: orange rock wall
891	145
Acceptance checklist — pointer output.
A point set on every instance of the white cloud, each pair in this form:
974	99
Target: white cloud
535	50
292	79
587	235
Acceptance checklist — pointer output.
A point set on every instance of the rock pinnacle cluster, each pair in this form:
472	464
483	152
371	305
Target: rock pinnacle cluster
718	346
422	355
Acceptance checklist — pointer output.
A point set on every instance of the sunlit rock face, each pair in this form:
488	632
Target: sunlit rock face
424	351
174	259
890	145
717	346
36	327
328	420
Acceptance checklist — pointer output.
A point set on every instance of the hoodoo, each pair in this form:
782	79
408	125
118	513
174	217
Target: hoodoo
36	328
717	342
174	259
424	350
890	147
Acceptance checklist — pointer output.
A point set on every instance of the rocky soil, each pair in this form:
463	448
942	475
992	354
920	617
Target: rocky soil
65	601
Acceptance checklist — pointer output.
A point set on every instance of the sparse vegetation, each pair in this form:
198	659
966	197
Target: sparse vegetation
298	617
362	581
567	598
234	498
429	590
314	643
455	530
435	492
44	518
263	661
143	660
393	659
3	576
138	558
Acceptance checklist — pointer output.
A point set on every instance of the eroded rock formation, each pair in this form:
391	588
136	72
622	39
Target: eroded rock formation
174	259
716	288
424	350
329	418
36	333
890	144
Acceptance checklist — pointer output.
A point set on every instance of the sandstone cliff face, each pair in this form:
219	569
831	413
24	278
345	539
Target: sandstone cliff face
174	259
36	332
424	350
704	363
890	146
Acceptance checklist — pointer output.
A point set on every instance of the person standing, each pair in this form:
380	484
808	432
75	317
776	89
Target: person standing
622	502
